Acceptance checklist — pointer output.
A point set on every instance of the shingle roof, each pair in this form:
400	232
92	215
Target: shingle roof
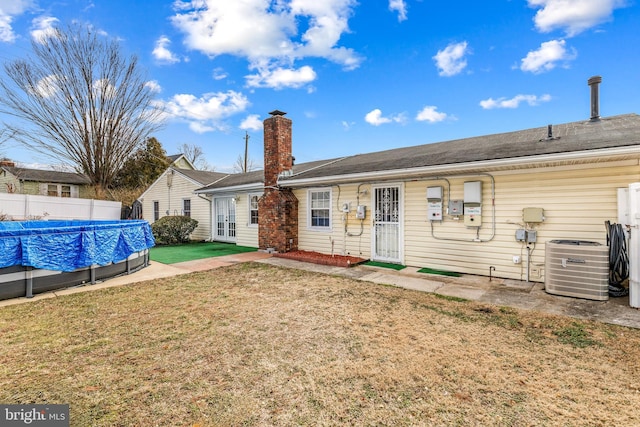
585	135
202	177
39	175
612	132
256	177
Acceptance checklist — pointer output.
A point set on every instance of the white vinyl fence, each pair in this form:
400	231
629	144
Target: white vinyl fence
19	207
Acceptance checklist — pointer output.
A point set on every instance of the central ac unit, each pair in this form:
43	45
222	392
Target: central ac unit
577	268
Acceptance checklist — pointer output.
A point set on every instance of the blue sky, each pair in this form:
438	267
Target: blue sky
353	76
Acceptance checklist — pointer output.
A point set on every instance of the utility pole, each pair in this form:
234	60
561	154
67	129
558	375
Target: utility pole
246	149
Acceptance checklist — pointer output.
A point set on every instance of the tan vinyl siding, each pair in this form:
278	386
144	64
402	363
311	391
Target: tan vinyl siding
170	200
181	163
337	240
247	234
577	200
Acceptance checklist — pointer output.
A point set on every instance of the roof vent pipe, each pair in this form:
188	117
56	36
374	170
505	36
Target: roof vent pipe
594	82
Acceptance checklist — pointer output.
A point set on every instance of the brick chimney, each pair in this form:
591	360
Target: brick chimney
7	162
278	207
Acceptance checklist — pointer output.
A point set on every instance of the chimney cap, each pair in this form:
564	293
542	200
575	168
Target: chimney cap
277	113
594	80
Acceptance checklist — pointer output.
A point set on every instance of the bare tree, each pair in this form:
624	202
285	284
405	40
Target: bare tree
244	165
195	155
79	100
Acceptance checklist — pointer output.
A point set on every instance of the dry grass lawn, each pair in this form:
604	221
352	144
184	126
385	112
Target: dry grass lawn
258	345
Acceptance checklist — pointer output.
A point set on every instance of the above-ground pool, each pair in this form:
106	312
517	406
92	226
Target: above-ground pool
40	256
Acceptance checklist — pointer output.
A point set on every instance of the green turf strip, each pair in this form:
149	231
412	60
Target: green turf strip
385	265
192	251
440	272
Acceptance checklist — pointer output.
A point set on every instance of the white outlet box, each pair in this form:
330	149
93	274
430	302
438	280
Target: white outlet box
516	259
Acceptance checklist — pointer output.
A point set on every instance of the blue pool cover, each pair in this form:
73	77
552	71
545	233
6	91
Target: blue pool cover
69	245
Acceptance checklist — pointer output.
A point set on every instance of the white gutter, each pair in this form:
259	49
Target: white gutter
242	187
460	167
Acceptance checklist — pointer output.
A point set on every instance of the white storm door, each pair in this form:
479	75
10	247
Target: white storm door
225	219
387	227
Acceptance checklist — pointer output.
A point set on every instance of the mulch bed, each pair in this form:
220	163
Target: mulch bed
323	259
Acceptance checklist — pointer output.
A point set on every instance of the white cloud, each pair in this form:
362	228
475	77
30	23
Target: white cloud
429	114
208	112
46	87
44	27
104	88
288	30
348	125
8	10
279	78
573	16
375	118
547	57
219	74
451	60
162	53
251	122
399	6
153	86
532	100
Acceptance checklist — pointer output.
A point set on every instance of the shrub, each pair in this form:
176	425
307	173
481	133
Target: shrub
170	230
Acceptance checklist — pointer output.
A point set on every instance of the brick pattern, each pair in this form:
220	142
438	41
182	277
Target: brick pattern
278	207
277	148
278	220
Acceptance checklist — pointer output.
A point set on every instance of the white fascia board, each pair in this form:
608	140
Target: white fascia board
243	187
461	167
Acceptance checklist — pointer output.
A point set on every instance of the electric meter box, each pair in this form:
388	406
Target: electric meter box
434	200
434	211
361	212
473	192
434	194
533	215
472	216
455	207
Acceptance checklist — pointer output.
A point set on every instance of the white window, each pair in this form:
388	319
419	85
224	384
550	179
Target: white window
319	212
65	191
59	190
186	207
52	190
253	209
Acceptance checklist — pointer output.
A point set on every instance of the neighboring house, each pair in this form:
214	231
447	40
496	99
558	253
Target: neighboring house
43	182
173	194
475	205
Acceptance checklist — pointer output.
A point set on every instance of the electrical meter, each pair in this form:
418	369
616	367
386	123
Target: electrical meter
434	203
473	216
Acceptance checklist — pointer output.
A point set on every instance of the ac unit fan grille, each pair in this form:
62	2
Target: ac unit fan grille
577	270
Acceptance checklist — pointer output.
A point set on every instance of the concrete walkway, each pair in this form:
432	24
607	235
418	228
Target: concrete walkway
502	292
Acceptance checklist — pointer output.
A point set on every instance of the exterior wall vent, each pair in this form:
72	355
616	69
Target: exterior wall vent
577	268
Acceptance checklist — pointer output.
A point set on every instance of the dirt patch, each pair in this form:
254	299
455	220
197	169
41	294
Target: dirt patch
324	259
257	345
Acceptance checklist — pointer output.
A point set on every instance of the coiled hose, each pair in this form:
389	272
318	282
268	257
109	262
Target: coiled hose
618	259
